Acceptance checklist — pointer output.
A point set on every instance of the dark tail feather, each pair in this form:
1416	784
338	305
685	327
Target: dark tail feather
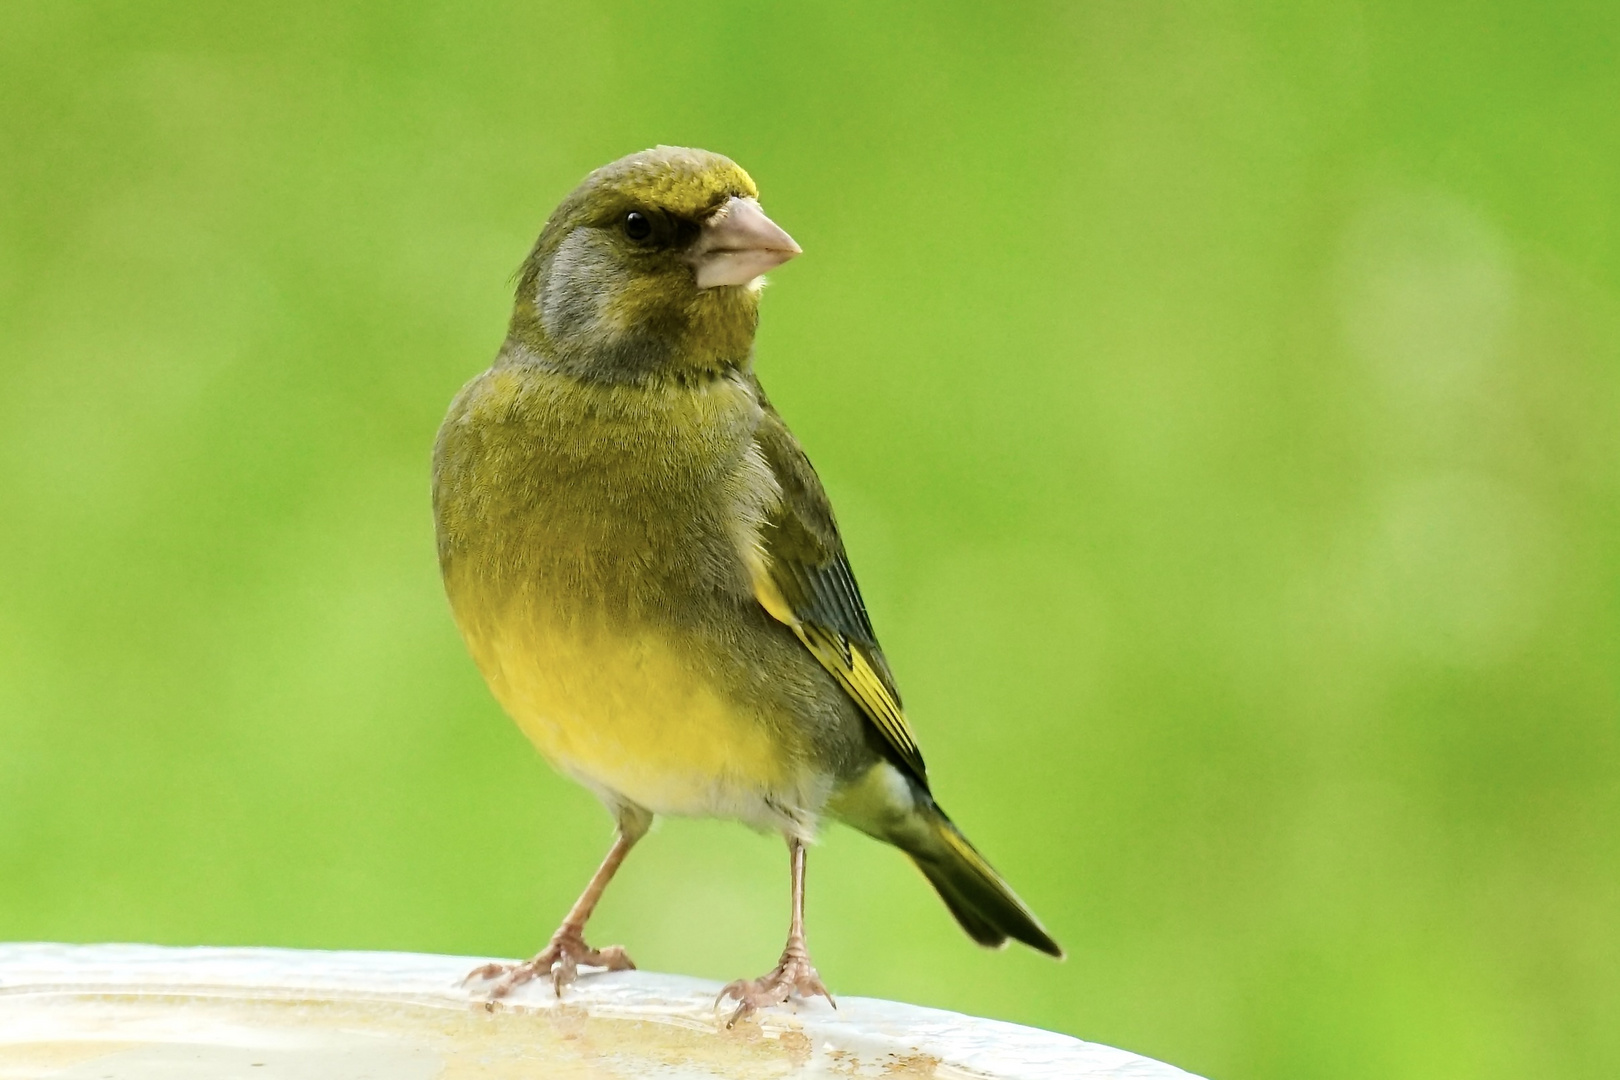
975	925
982	902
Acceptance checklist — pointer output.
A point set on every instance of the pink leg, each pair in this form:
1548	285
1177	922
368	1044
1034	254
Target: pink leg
561	958
793	972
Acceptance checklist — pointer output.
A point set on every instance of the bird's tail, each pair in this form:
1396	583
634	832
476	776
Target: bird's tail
896	808
982	902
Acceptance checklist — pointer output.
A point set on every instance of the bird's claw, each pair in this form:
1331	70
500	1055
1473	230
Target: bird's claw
793	973
561	960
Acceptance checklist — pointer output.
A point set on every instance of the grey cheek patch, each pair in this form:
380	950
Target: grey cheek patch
578	286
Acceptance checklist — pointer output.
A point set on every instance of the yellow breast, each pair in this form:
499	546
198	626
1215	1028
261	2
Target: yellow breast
575	523
633	716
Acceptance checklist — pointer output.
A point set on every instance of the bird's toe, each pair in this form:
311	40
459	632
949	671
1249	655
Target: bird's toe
560	960
795	973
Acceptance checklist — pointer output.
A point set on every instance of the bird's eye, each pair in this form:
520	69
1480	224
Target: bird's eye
636	225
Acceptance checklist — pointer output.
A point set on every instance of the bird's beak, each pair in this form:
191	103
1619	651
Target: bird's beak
738	243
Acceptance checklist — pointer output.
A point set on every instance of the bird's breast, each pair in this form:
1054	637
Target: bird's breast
635	714
596	498
591	540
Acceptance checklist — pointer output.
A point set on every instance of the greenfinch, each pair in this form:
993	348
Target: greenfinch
647	571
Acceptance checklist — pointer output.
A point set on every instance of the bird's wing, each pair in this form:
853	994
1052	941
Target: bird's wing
802	577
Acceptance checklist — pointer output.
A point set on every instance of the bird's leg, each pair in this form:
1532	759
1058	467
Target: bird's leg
794	971
567	950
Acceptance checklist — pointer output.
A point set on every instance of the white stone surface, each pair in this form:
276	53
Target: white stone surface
140	1012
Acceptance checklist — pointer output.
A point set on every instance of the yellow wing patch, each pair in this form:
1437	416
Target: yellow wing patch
854	673
848	664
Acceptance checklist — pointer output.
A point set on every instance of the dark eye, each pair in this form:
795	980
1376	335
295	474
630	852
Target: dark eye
636	225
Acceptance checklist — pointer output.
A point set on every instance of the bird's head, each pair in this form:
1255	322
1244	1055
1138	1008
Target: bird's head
650	267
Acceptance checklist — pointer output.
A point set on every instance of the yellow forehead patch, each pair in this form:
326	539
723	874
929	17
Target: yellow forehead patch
682	180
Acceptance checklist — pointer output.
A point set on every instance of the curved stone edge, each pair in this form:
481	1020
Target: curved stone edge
868	1026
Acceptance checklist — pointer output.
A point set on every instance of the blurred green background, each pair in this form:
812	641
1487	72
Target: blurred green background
1221	401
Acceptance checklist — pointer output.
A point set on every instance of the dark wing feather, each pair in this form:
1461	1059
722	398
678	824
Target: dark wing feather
805	581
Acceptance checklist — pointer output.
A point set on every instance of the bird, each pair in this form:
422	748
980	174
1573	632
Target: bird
647	571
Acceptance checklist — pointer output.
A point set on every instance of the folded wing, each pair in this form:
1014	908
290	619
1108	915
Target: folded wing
804	580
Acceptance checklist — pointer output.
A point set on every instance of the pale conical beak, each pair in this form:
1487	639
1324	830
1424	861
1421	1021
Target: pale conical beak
738	243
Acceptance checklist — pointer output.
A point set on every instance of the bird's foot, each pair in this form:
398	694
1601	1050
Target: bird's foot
560	960
793	973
